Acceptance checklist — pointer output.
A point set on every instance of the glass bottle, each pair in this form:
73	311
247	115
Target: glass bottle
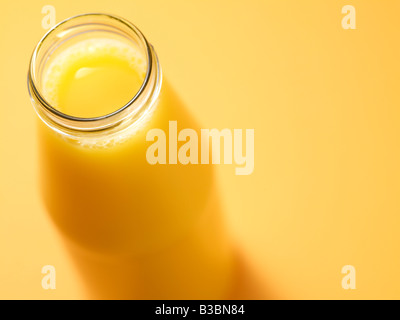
135	230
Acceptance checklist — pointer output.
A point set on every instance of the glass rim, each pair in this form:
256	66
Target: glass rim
42	100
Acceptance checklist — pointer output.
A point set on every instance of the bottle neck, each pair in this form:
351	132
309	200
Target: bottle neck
117	124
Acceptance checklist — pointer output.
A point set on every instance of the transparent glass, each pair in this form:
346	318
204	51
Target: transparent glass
134	229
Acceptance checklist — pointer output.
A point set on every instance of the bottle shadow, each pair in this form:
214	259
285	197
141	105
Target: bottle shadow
248	284
138	231
158	278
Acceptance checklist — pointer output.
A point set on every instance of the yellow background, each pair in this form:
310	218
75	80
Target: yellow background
324	103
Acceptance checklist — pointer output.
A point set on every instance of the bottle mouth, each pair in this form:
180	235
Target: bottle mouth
92	26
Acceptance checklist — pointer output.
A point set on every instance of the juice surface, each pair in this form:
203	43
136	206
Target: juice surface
94	77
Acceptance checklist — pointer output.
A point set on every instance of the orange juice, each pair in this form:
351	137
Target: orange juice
94	77
136	230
